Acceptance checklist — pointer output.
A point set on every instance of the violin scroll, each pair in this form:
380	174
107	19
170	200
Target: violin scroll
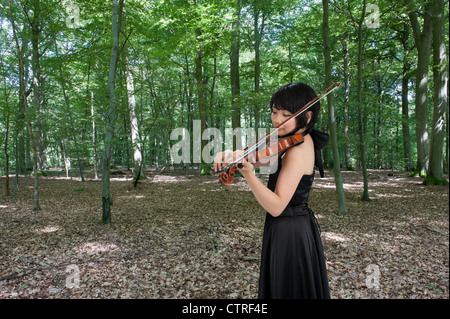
226	178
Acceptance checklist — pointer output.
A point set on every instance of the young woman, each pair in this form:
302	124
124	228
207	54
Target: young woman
292	258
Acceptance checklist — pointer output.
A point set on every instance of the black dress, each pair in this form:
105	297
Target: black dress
292	258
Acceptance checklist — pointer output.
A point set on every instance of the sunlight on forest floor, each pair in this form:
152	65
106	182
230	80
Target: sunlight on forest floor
181	235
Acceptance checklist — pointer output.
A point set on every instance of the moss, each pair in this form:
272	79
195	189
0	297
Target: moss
431	180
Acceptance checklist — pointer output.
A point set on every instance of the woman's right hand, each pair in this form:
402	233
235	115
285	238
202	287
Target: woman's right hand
222	159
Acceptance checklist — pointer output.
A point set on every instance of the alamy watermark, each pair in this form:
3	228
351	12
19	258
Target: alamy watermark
182	152
73	280
372	20
73	14
373	279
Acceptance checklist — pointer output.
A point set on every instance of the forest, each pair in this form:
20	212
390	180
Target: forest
96	98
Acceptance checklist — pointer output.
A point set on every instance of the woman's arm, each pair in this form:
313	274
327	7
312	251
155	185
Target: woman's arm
296	162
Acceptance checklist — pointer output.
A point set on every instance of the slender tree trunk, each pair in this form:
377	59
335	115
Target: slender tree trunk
137	155
258	34
188	89
361	121
435	173
213	87
331	119
22	140
36	85
380	163
26	111
106	189
405	103
405	123
234	71
347	155
447	135
65	158
7	192
71	121
134	127
94	140
201	93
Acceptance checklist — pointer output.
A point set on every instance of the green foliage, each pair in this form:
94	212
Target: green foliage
162	45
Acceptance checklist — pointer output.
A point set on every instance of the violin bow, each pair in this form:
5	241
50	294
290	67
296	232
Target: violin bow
249	149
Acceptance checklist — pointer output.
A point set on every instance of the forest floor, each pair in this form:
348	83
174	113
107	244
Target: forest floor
181	235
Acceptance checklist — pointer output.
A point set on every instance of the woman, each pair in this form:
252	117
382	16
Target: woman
292	259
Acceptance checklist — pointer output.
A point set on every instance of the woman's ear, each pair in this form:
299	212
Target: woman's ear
309	115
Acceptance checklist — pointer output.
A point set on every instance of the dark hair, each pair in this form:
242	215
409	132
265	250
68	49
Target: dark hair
292	98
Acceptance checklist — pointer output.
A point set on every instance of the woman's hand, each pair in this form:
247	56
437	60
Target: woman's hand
222	159
244	166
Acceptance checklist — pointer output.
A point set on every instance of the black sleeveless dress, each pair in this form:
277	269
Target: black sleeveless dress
292	258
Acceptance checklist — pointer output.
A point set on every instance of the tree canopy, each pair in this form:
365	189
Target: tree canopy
218	62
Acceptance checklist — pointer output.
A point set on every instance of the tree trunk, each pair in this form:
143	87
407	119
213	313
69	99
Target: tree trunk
134	128
423	45
7	192
361	121
234	72
347	156
331	119
22	141
378	126
435	173
258	31
23	96
137	155
36	85
69	113
405	103
94	140
106	189
201	102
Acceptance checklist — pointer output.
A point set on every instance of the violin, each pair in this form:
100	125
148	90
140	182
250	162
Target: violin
283	144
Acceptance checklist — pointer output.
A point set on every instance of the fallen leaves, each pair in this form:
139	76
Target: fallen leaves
188	237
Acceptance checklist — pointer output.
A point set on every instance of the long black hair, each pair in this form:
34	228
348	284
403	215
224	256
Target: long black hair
292	98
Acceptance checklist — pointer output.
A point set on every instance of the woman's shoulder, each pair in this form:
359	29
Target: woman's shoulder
302	153
303	148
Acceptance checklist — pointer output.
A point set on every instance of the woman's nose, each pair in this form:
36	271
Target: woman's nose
276	120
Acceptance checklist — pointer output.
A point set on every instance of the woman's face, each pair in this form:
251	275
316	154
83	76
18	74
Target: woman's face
278	117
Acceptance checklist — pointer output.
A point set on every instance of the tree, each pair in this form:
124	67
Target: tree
342	209
234	69
361	119
134	127
23	96
201	96
69	114
106	188
422	40
435	173
406	75
346	77
7	112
